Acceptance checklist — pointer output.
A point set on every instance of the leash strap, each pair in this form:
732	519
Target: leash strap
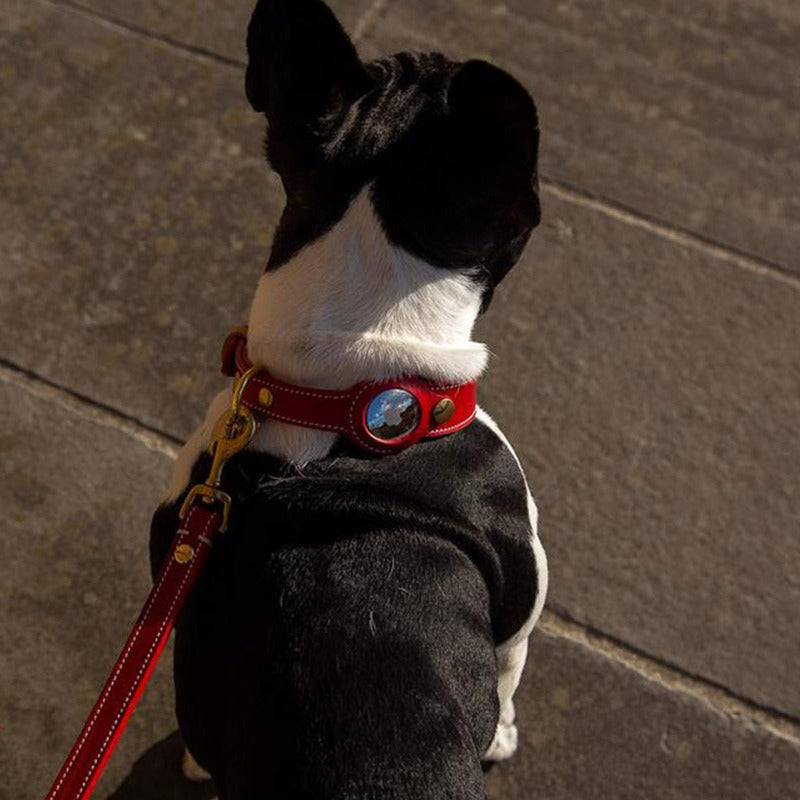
204	514
133	668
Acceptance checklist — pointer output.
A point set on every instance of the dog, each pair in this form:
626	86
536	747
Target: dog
360	629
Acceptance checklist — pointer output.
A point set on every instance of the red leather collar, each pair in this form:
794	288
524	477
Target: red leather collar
381	418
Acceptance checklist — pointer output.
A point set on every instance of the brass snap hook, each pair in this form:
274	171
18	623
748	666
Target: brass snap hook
232	433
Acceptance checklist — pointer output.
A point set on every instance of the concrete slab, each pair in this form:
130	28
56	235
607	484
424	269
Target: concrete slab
74	569
654	393
591	729
136	212
218	26
658	110
77	498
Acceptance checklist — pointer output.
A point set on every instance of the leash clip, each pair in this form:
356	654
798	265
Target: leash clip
232	433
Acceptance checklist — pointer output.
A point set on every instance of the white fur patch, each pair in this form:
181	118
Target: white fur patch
539	554
350	307
196	444
192	770
504	744
511	655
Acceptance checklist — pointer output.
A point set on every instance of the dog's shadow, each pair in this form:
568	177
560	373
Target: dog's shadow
157	773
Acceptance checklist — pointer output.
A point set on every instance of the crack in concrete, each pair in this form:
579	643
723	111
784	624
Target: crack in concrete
564	191
90	410
556	624
120	25
713	696
674	233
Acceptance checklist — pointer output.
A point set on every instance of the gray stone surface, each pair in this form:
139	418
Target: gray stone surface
590	729
659	111
654	394
74	571
219	27
652	391
690	115
136	212
77	500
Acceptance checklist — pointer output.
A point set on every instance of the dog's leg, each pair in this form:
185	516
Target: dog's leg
192	770
510	663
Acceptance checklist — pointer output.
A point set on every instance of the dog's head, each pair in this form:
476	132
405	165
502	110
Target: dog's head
448	150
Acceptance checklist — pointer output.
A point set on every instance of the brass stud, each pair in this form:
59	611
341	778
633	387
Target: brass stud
443	411
265	398
184	553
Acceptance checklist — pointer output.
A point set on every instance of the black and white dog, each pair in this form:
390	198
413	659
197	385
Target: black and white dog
360	629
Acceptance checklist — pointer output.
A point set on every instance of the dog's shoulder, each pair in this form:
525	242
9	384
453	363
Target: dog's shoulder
466	490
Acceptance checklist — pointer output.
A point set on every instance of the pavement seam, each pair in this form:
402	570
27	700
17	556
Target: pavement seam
672	233
120	25
562	190
88	409
672	679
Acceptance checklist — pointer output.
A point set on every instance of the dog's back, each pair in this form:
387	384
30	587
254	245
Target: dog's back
341	641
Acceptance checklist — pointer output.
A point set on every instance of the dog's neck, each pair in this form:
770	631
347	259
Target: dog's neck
352	307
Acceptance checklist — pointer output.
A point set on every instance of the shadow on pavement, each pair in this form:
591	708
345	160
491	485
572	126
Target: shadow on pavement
158	774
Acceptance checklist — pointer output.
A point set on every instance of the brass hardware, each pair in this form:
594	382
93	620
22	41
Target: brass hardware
238	389
232	432
443	411
265	398
208	495
184	553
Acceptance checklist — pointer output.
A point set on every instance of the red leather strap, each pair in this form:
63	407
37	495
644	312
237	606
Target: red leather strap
135	664
344	412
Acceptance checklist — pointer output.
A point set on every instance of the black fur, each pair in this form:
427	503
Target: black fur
340	643
450	149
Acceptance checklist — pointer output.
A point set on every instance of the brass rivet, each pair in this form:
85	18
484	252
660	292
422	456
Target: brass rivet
265	398
443	411
184	553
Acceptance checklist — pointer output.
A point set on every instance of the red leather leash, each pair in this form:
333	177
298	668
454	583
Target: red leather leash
130	675
379	417
204	514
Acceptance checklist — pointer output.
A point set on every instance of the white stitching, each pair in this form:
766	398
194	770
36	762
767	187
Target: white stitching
143	667
321	395
123	658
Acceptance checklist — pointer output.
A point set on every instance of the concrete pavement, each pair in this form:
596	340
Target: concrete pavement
647	365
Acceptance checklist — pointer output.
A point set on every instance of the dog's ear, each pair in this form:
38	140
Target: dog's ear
503	133
499	113
302	66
